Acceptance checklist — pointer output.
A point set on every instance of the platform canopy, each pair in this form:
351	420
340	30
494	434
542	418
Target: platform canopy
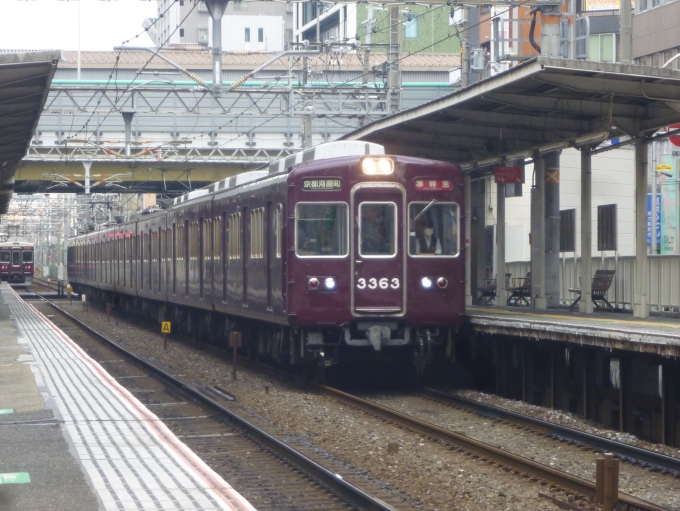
24	83
541	105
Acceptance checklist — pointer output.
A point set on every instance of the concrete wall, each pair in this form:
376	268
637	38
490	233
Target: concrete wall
613	182
656	30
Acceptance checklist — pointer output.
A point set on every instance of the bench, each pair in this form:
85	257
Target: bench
489	291
520	292
602	281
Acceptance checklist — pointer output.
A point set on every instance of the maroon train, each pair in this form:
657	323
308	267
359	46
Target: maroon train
16	262
336	250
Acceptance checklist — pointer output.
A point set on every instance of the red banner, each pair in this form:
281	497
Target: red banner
508	175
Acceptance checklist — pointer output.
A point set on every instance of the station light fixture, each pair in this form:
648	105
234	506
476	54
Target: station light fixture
524	155
489	161
467	166
592	138
377	166
558	146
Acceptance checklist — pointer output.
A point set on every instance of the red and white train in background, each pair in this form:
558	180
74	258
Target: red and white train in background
16	262
336	250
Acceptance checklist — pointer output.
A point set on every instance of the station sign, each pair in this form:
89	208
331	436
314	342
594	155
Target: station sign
430	185
507	175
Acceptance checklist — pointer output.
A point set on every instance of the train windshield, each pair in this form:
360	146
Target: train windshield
321	229
433	229
377	228
27	256
4	256
16	257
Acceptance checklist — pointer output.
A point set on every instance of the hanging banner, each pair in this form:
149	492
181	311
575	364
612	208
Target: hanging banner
669	207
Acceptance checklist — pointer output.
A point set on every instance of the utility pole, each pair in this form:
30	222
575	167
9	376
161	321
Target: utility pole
465	49
216	9
626	22
393	65
367	56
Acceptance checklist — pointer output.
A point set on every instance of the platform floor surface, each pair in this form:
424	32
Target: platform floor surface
86	442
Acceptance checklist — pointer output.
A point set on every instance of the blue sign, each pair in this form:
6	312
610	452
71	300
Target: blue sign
649	219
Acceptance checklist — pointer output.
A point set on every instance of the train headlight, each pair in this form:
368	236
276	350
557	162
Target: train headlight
426	282
442	282
313	283
377	166
329	283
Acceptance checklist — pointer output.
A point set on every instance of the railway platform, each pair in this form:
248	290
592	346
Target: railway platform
611	330
73	438
609	367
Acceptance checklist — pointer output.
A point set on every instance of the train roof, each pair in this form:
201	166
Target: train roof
281	166
16	243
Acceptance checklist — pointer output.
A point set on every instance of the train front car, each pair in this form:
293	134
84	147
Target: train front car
16	262
377	264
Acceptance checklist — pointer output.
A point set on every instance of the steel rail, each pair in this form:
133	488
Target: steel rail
625	452
315	471
489	452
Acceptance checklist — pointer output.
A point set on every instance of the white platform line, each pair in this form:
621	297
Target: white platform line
133	459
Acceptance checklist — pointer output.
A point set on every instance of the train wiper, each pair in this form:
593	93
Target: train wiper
425	209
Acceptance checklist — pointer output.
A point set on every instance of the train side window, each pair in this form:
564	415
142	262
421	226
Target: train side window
277	227
257	233
321	229
235	236
217	238
433	229
27	256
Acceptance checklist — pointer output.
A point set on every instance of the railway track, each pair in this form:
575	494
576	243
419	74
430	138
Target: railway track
570	487
625	452
269	472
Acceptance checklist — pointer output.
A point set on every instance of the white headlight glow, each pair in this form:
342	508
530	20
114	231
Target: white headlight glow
426	282
329	283
377	166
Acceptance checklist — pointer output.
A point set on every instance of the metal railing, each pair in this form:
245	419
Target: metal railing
663	293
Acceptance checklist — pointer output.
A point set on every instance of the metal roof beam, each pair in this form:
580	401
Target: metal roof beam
575	106
450	129
532	122
638	89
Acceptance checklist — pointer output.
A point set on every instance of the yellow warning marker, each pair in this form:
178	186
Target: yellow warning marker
165	329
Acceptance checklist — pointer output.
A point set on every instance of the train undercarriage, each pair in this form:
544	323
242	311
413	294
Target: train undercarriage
312	350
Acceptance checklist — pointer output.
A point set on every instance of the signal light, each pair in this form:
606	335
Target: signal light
313	283
442	283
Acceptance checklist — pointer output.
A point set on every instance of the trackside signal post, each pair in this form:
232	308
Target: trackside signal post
235	344
166	328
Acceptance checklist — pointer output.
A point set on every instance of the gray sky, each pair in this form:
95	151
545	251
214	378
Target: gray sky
53	24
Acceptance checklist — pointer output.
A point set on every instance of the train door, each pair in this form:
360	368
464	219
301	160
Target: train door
378	249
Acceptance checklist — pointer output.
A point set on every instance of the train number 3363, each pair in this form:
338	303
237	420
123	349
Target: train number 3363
383	283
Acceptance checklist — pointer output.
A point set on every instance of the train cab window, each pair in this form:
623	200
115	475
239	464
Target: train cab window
377	229
433	229
321	229
16	257
4	256
27	256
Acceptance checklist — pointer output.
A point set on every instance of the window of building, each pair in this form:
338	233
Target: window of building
602	48
260	35
181	32
410	26
247	35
